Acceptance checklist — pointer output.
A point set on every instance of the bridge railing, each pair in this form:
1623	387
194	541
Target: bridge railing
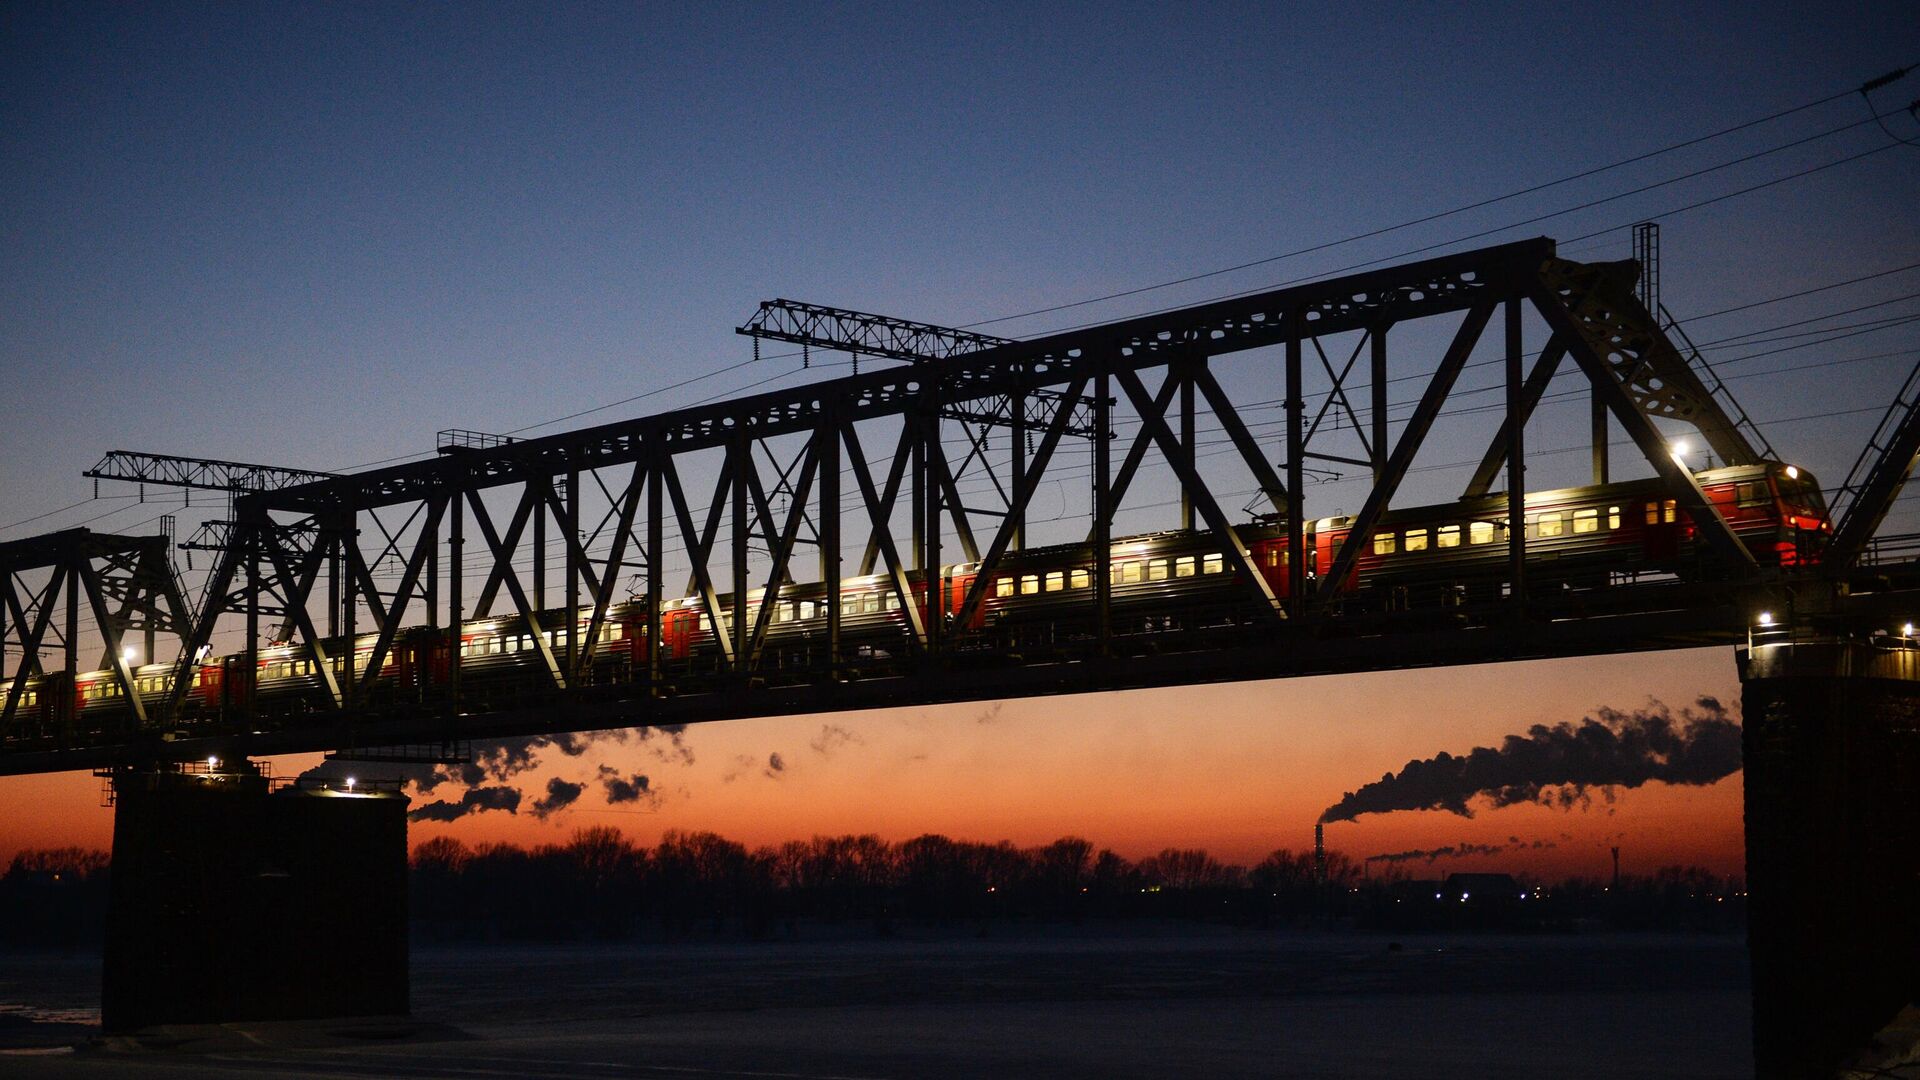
1885	550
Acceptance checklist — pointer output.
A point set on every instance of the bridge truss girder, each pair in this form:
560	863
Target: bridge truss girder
792	468
126	584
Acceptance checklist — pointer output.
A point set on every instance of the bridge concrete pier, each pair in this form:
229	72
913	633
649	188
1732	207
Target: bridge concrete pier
1832	745
232	901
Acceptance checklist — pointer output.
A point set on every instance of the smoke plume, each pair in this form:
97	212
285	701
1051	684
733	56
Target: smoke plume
560	795
1460	851
472	801
1564	764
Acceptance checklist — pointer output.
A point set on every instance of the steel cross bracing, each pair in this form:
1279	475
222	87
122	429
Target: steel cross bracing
1877	475
169	471
124	584
706	510
860	333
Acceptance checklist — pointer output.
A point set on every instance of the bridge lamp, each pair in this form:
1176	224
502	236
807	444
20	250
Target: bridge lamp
1765	619
213	763
349	783
1678	448
1906	630
127	654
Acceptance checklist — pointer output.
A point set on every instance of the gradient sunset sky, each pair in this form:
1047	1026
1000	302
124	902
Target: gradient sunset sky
314	235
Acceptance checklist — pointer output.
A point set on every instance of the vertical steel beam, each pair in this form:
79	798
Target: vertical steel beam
740	450
1017	401
1516	447
931	571
826	441
1377	343
1597	420
576	565
251	678
918	494
456	544
1179	369
1103	502
539	549
656	561
433	590
1296	471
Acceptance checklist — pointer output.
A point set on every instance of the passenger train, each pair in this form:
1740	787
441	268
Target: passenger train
1420	558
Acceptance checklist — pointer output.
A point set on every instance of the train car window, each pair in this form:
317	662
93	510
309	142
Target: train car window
1416	539
1273	555
494	647
807	609
1754	494
1480	532
1447	536
1133	573
1383	544
1056	580
1613	517
1079	579
1213	564
617	631
1029	584
1003	586
1156	570
870	603
1669	510
1586	521
849	605
1554	524
1183	566
892	602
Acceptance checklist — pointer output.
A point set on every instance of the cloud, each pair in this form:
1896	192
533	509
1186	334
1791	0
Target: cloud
832	737
560	795
990	713
472	801
1564	764
775	766
623	789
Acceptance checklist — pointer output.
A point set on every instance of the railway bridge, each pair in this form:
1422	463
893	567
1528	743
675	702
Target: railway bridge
1123	505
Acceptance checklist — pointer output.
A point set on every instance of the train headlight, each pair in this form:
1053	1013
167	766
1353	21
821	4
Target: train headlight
1793	473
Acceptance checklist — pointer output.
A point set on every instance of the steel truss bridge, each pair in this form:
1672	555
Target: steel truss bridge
967	434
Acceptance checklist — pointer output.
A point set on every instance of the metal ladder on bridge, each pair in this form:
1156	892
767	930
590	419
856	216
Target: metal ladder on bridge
1864	497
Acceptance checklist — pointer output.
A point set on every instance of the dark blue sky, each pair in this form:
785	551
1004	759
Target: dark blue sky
314	235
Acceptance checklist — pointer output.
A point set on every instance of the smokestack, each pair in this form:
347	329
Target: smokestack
1320	852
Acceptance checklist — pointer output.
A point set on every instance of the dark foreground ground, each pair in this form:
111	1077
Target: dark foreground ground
1125	1002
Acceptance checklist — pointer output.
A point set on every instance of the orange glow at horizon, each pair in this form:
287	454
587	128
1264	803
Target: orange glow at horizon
1239	770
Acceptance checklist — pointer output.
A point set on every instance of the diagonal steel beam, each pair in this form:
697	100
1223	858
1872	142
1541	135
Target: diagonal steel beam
698	551
1243	440
1679	480
783	546
514	589
878	515
1025	486
1360	531
1542	374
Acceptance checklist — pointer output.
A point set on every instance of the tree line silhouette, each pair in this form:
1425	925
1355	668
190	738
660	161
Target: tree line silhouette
601	885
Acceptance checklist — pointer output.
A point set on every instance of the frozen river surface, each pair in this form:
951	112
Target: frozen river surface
1091	1002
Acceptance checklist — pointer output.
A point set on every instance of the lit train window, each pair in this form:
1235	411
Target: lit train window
1668	510
1653	513
891	602
1157	570
1183	566
1056	580
1273	553
1752	494
1080	579
1554	524
1132	573
1416	539
1383	544
1003	586
808	610
1029	584
870	603
1480	532
849	605
1213	564
1447	536
1586	521
615	632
